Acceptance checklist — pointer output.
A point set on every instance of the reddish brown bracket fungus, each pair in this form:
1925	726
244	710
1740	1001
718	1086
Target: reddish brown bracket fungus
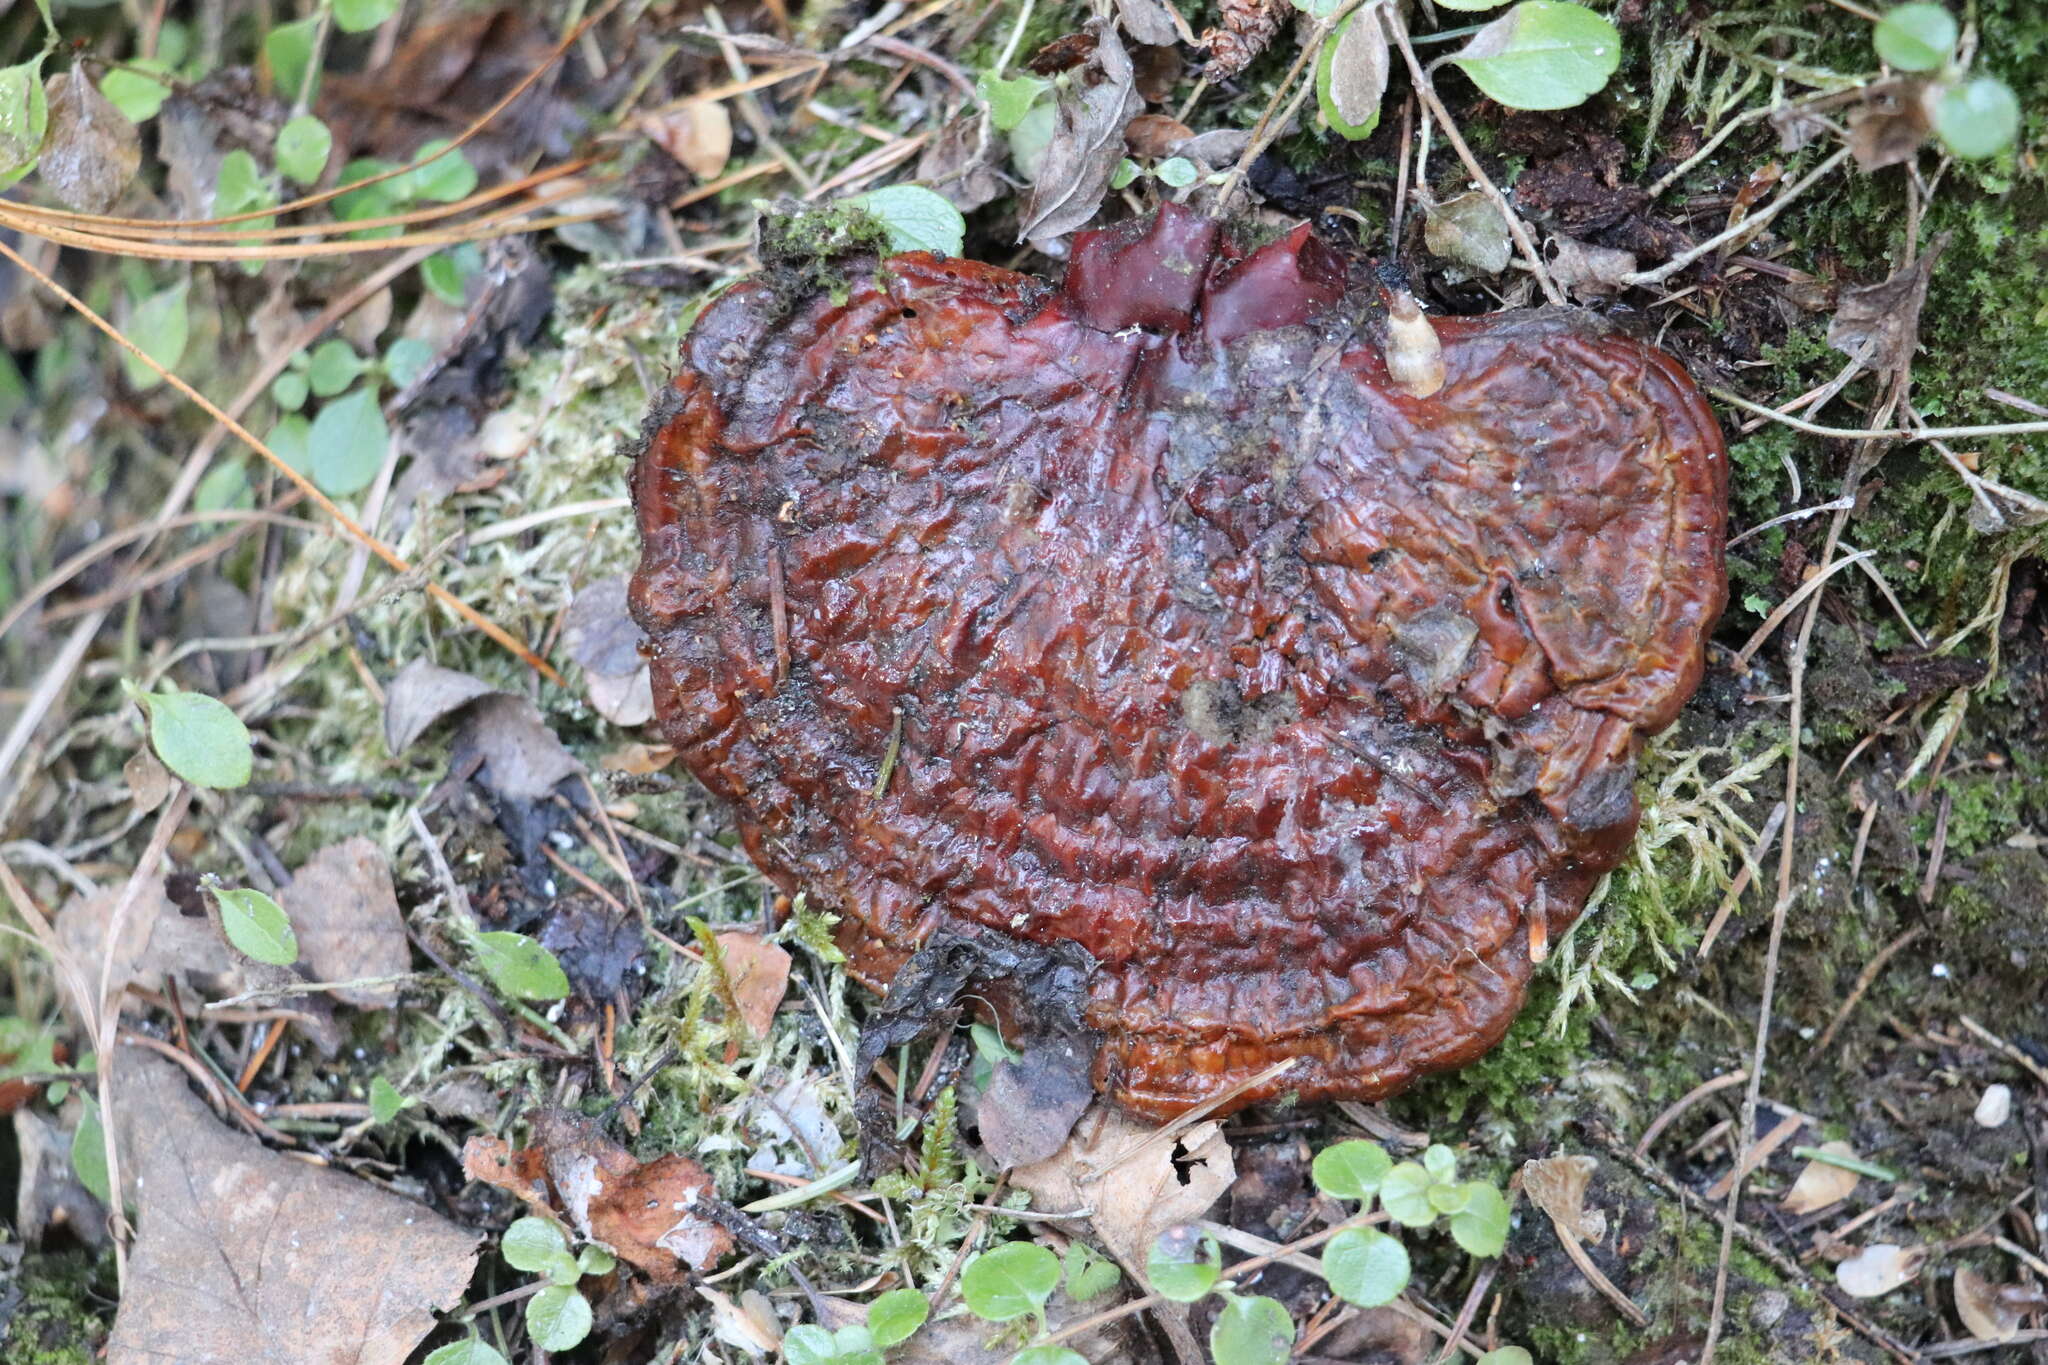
1150	613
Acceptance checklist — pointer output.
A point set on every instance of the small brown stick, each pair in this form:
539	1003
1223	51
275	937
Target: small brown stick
1993	429
1939	848
1864	980
2038	1072
1477	1295
1683	1103
1754	1153
1426	88
1746	227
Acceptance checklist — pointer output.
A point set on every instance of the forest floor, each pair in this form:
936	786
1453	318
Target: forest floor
1796	1051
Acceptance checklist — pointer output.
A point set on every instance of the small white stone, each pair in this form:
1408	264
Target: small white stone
1940	971
1996	1106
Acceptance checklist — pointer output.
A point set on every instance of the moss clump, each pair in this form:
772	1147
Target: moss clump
59	1319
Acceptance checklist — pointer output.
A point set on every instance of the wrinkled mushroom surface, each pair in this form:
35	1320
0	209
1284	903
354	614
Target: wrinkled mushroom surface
1308	707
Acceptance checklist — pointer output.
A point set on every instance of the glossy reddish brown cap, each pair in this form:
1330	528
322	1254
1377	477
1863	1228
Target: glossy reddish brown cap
1307	707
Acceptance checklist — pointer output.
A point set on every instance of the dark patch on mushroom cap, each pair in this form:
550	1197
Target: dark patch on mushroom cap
1290	698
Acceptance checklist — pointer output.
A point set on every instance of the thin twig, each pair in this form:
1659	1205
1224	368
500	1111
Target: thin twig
1747	226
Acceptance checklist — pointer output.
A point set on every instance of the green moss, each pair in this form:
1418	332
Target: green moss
61	1319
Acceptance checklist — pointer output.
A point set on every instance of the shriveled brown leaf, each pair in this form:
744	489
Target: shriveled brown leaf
91	151
521	1171
644	1212
1469	231
157	941
1879	324
1993	1312
1889	126
1215	149
1557	1185
345	910
1033	1101
955	163
758	972
1087	141
1155	135
1137	1184
1822	1184
521	758
1587	270
1158	71
637	759
149	783
247	1257
421	694
698	136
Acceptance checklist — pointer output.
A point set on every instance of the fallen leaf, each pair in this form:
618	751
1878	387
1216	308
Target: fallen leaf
1821	1184
637	759
758	972
1557	1185
624	699
1215	149
346	915
521	1171
248	1257
1879	324
955	164
421	694
1087	141
1137	1184
149	782
1796	127
1879	1269
521	760
1992	1312
698	136
644	1212
1469	231
596	945
740	1325
91	151
1148	22
1033	1101
157	941
48	1193
598	632
1358	69
1153	136
1587	270
1890	126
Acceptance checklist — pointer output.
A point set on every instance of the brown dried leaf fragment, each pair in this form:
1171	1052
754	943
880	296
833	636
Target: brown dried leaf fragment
1138	1183
345	910
1087	141
91	151
650	1214
1822	1184
758	973
247	1257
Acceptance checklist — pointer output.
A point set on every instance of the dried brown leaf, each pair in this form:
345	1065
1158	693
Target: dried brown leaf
1358	68
644	1212
1587	270
758	972
1148	22
1990	1312
421	694
91	151
346	913
1087	142
1155	135
1889	127
1879	324
1879	1269
1821	1184
1033	1101
1137	1184
1557	1185
698	136
247	1257
1469	231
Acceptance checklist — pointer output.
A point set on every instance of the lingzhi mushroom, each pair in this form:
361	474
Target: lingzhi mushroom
1152	613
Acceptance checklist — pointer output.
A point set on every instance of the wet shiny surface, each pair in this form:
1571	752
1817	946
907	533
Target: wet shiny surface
1292	699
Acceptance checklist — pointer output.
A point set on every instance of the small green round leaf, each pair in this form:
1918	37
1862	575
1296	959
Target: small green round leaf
24	118
159	328
1440	1161
334	365
532	1245
521	967
133	89
291	440
1366	1267
1089	1275
1352	1169
1048	1355
406	359
1176	171
1506	1355
447	273
289	50
360	16
1978	118
1009	1281
385	1102
1449	1196
197	737
916	219
595	1260
1404	1194
1351	76
558	1318
1481	1227
471	1352
1916	37
257	926
1542	54
808	1345
1252	1330
1126	171
1184	1263
348	442
289	391
445	178
303	146
896	1316
1009	100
